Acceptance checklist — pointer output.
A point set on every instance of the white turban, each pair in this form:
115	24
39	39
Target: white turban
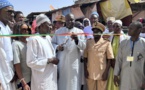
40	19
118	22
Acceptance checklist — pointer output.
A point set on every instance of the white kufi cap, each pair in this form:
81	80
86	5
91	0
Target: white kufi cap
40	19
118	22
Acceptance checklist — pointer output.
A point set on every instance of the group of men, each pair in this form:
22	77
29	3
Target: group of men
55	62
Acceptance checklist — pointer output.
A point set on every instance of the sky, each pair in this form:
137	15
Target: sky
28	6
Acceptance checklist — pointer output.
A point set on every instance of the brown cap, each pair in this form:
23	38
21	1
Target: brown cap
60	18
98	26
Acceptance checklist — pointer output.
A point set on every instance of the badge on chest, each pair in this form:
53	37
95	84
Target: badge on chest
130	58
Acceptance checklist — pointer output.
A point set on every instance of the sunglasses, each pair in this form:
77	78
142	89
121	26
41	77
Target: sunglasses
10	11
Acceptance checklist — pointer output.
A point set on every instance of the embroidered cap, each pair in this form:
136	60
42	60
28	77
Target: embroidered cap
40	19
118	22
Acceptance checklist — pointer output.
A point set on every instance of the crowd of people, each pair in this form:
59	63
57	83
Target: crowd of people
70	55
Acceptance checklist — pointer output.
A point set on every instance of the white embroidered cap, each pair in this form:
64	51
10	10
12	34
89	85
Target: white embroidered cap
40	19
118	22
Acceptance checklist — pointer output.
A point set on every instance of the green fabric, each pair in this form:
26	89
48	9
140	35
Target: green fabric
115	46
110	83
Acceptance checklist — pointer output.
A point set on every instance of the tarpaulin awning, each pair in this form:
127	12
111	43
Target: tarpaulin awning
135	1
115	8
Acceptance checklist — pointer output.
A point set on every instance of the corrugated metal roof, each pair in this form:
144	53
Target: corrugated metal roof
35	13
47	12
86	1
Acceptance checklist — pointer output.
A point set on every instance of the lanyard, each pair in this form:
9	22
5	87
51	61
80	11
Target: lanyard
132	50
132	47
132	43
